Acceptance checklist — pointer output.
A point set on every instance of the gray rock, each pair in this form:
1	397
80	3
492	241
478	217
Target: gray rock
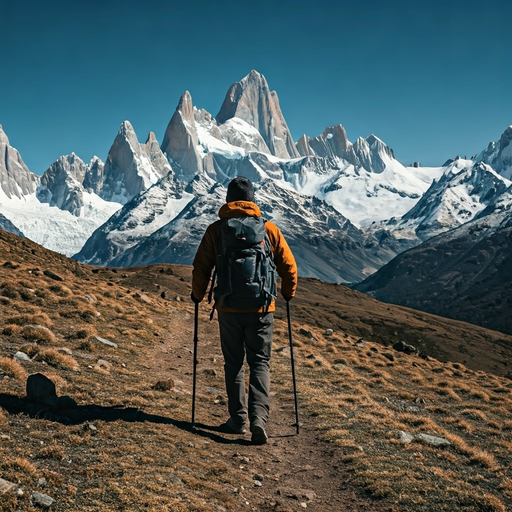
6	486
433	440
307	333
401	346
405	437
21	356
42	500
106	342
329	332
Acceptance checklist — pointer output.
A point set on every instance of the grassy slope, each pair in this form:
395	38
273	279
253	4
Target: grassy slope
356	397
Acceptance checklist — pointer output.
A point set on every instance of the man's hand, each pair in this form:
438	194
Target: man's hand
194	300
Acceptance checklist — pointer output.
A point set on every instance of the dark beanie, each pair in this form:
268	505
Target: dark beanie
240	189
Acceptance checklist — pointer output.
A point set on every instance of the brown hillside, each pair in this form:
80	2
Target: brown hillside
366	409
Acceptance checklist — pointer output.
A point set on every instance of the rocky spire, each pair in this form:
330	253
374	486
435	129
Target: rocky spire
252	101
128	170
93	180
15	178
180	140
61	184
499	154
303	146
155	155
332	143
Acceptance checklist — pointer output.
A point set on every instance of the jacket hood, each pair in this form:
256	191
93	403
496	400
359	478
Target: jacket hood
239	209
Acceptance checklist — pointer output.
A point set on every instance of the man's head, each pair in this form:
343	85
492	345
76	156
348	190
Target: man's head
240	189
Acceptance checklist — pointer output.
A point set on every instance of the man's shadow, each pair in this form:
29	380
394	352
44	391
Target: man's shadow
79	414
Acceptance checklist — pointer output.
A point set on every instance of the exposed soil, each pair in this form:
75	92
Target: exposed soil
295	471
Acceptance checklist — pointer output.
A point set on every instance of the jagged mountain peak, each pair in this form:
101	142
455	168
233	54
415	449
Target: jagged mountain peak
3	136
252	101
333	142
185	105
151	137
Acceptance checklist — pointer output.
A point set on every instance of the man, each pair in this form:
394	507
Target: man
245	332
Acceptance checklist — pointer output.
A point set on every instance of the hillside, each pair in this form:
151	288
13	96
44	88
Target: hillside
367	410
464	274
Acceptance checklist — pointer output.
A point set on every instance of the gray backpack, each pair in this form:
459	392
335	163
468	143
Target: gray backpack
245	269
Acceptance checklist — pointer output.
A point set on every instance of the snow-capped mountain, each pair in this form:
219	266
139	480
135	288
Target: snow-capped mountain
325	244
464	273
464	190
346	208
135	222
16	180
53	210
7	225
131	167
499	154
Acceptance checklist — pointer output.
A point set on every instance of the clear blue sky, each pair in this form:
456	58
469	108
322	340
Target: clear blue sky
431	79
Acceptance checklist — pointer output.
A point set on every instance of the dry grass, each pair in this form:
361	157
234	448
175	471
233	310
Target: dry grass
12	368
471	474
355	396
38	334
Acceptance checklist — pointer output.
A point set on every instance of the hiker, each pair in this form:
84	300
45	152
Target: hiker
246	321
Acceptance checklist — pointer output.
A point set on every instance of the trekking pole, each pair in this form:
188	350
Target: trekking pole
195	365
293	365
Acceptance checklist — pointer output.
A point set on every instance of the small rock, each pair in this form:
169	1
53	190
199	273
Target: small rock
6	486
142	297
360	342
210	371
401	346
257	483
65	350
285	351
42	500
304	505
106	342
42	482
389	356
103	366
90	298
433	440
52	275
178	299
329	332
405	437
21	356
258	477
307	333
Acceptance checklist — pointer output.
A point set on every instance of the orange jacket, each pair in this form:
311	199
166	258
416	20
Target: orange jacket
206	255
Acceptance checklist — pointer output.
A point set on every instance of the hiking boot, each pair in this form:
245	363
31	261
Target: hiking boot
259	436
230	427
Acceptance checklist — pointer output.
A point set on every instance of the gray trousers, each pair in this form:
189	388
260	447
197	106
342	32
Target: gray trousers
247	334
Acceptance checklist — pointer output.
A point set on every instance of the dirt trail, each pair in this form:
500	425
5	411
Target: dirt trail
291	472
